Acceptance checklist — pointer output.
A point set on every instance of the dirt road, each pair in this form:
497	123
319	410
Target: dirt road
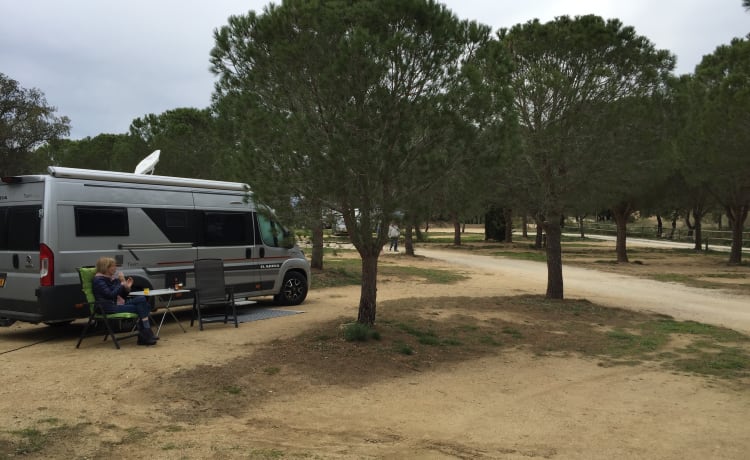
681	302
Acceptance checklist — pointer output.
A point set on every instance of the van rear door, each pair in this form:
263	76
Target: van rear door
20	229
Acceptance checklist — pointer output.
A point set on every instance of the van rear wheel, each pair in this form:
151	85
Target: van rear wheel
293	291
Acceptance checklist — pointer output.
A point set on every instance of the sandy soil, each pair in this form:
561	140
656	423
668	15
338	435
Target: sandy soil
98	402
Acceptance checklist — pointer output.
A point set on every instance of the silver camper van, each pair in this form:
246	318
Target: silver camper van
154	226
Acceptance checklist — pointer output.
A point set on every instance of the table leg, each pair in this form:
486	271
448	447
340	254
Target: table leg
164	315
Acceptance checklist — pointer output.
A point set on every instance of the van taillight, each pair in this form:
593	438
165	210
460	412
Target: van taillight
46	266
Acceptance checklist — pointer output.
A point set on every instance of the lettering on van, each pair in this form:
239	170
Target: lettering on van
276	265
3	197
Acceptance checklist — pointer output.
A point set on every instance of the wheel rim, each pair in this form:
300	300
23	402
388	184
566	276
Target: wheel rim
293	289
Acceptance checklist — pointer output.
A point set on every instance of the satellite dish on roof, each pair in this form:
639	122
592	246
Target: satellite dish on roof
148	164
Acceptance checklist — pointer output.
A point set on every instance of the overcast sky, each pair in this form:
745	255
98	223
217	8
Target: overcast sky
103	63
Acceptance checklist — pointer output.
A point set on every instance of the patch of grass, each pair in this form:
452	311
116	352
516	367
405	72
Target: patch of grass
623	343
448	237
271	370
38	440
725	275
511	331
133	435
232	389
488	339
672	278
32	440
348	272
535	256
403	349
719	334
358	332
430	275
728	362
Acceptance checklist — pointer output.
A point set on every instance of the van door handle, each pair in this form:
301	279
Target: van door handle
15	260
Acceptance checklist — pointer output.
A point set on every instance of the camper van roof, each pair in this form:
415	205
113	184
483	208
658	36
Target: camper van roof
93	174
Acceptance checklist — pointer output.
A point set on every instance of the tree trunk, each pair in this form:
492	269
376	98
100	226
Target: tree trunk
698	214
689	225
580	226
674	226
698	230
620	214
737	215
369	292
456	232
554	260
659	226
508	214
525	226
316	260
539	234
408	240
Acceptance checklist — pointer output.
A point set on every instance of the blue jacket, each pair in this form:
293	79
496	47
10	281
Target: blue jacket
106	291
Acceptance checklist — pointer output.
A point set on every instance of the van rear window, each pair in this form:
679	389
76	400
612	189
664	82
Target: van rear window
101	221
19	228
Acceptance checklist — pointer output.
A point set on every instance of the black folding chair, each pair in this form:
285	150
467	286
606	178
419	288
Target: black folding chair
212	295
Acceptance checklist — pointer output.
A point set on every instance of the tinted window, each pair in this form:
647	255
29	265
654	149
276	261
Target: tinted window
178	225
20	228
100	221
3	228
227	228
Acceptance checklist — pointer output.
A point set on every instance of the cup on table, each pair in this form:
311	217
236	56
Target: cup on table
146	291
178	286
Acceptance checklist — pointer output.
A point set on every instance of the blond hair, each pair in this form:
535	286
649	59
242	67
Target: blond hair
104	263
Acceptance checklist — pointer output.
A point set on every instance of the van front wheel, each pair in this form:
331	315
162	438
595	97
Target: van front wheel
293	291
5	322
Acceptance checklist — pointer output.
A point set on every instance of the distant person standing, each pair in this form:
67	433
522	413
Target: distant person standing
393	234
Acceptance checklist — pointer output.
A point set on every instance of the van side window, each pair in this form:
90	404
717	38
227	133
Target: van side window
23	234
271	232
226	228
101	221
178	225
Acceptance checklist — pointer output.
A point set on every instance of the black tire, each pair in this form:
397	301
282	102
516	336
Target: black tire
5	322
293	290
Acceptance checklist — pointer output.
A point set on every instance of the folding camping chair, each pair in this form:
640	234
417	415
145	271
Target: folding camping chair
98	315
211	292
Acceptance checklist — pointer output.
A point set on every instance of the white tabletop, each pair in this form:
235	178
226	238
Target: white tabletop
157	292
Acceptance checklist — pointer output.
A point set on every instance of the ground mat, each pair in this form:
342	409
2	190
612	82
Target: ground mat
255	314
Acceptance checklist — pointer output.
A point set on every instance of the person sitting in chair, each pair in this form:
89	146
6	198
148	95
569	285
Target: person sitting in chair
110	290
